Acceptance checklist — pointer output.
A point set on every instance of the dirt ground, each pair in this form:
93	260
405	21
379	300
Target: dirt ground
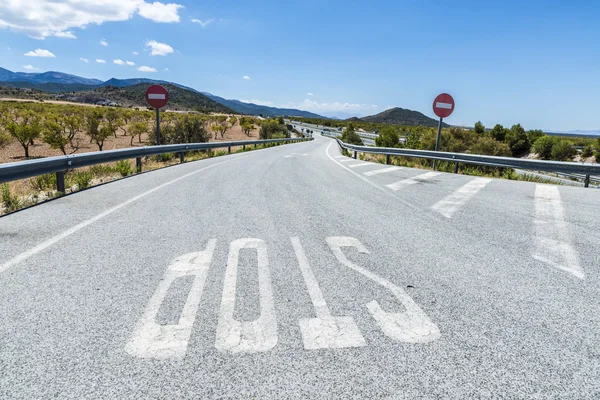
14	152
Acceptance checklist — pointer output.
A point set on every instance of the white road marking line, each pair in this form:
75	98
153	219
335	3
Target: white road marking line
411	181
151	340
348	160
55	239
451	203
248	336
413	325
324	331
440	104
363	164
553	246
340	156
381	171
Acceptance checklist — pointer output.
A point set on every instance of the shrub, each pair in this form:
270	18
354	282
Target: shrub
124	167
350	136
563	150
43	182
543	146
101	170
9	202
82	179
587	151
388	137
271	128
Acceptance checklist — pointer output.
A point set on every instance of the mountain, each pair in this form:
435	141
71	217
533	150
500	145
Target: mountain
45	77
402	116
58	82
256	109
50	87
180	99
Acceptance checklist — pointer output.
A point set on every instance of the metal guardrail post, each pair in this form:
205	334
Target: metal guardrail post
587	181
243	147
138	164
229	150
181	156
387	159
354	155
60	181
456	167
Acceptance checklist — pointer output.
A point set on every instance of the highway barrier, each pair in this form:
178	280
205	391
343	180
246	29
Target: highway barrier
61	164
571	168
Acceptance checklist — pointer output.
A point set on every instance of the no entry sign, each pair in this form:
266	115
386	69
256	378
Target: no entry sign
157	96
443	105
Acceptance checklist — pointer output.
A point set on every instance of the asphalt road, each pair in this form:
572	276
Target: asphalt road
294	272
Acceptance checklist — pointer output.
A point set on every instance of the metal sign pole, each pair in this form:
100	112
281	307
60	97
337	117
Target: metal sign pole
437	141
158	127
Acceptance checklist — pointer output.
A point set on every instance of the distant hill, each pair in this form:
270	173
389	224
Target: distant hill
402	116
58	82
256	109
50	87
134	96
45	77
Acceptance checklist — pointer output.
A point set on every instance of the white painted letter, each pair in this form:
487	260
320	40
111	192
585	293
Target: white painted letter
413	325
325	331
257	335
151	340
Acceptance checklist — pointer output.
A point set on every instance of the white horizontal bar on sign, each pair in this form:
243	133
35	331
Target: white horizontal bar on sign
156	96
443	105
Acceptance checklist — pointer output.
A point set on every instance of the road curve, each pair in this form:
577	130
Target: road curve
295	272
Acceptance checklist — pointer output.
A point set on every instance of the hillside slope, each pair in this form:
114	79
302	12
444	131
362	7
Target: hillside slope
256	109
134	96
402	116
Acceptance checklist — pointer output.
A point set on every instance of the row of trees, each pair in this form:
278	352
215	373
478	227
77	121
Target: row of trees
62	127
498	141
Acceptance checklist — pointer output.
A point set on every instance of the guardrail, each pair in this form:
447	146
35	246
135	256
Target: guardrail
59	165
586	170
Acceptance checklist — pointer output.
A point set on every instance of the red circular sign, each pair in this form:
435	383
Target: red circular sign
157	96
443	105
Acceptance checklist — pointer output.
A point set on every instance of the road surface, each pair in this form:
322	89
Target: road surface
295	272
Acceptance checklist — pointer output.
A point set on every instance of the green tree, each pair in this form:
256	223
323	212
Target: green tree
516	138
350	136
486	145
272	129
189	129
587	151
534	134
53	134
498	132
479	128
137	129
543	147
388	137
232	120
25	128
563	150
247	127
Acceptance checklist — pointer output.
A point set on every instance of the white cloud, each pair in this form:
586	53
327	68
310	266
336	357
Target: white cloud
159	12
259	102
144	68
309	94
43	18
66	35
29	67
246	77
202	23
166	69
135	53
159	49
39	53
104	42
100	61
8	48
119	62
130	63
85	60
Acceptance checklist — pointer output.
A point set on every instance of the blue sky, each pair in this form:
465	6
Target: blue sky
531	62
